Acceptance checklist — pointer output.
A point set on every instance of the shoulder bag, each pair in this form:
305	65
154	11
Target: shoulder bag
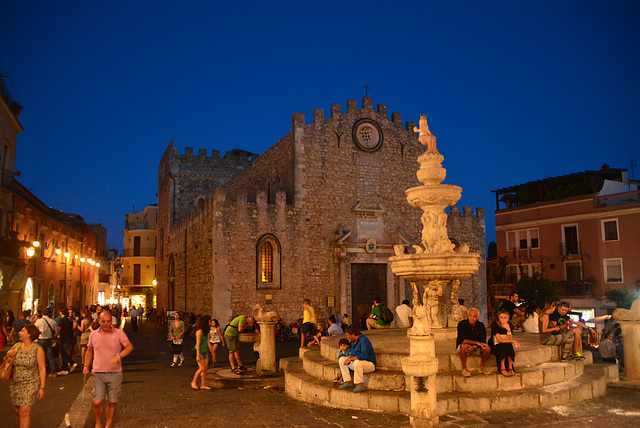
6	368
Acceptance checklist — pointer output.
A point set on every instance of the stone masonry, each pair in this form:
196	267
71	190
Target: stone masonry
323	202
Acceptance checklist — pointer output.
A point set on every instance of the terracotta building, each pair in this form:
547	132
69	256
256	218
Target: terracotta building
47	257
316	216
139	256
582	230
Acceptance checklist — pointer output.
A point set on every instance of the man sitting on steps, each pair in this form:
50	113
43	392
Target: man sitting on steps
362	360
472	340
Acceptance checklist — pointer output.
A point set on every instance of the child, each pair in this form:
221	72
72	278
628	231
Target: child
345	351
345	321
321	331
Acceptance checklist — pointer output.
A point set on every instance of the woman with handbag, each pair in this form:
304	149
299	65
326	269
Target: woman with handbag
29	374
215	339
176	331
502	344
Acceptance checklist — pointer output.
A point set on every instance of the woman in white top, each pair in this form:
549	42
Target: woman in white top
215	338
532	315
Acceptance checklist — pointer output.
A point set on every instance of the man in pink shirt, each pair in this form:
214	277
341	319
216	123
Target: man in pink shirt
106	347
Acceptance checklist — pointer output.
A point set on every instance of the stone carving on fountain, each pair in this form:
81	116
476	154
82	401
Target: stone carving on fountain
434	266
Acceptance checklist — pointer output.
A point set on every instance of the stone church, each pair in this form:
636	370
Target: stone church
315	216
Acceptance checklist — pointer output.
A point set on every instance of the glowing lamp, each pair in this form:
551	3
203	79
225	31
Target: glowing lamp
36	244
58	251
31	251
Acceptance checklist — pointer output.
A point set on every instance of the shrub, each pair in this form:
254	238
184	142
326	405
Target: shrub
538	290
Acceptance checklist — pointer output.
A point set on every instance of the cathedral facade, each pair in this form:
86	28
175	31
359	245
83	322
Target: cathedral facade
315	216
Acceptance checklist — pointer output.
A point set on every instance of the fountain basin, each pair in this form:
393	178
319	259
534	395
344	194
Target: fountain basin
433	195
419	366
427	266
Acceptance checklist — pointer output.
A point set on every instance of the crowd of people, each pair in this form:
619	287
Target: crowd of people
43	342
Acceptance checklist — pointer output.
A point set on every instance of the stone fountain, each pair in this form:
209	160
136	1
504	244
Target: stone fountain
433	267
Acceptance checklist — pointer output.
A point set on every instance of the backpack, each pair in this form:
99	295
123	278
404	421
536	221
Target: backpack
387	315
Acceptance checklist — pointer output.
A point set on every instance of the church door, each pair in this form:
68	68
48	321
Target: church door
367	282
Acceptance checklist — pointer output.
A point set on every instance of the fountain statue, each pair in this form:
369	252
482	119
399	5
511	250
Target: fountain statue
434	266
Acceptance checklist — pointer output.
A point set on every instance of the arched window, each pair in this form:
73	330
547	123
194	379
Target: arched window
268	262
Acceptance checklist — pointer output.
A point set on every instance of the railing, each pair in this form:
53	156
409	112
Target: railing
570	249
577	288
522	253
619	199
135	225
142	252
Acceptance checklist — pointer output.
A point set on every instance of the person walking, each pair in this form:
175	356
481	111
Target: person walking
29	376
65	334
215	339
47	328
176	331
203	347
105	350
85	331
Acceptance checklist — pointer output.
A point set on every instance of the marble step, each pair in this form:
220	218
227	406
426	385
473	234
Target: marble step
307	388
387	379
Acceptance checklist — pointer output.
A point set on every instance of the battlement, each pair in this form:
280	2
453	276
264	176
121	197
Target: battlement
248	202
466	212
298	119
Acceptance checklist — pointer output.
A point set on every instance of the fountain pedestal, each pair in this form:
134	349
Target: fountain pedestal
267	348
629	320
421	366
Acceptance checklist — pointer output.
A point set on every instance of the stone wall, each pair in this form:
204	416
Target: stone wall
322	198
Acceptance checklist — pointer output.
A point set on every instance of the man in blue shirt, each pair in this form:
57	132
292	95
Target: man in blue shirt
362	360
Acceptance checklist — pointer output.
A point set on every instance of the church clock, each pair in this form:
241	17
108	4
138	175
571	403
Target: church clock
367	135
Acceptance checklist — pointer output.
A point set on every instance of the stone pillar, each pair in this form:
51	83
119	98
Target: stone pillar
629	320
267	361
422	365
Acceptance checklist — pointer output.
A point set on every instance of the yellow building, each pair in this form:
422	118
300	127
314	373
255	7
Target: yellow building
139	258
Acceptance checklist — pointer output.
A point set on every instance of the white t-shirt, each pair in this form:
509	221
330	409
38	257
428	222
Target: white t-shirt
404	313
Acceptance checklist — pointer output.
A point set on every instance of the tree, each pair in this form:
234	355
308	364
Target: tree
537	290
622	297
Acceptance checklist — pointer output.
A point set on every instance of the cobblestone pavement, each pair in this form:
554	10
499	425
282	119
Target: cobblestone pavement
155	395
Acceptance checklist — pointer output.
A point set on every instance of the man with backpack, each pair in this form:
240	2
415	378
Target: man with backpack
380	317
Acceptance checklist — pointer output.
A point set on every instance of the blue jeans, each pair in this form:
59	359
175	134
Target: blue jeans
48	352
67	362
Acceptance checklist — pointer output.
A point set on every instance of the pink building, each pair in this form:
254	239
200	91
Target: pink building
582	230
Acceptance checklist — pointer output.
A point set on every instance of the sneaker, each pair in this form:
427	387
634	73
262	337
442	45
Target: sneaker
181	363
173	364
73	367
63	373
466	373
360	389
485	370
346	385
579	356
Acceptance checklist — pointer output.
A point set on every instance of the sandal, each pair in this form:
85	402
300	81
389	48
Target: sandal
505	372
242	368
237	371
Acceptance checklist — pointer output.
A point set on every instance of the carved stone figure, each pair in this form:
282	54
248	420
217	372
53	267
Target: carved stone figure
433	292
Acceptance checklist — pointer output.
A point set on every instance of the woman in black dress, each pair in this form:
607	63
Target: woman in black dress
502	344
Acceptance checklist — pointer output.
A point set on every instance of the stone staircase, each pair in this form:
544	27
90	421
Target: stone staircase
541	379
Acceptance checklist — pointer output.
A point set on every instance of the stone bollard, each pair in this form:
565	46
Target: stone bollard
267	361
629	320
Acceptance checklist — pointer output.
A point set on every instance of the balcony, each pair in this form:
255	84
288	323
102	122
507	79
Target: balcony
137	225
139	252
576	288
522	253
568	249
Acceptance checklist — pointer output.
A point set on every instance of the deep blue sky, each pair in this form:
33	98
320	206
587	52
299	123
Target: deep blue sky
514	91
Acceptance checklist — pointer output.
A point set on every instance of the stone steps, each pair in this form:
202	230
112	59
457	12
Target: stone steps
591	382
387	379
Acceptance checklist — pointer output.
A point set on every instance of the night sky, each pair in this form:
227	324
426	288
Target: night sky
514	91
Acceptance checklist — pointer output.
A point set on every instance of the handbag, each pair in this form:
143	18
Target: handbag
6	368
502	336
193	352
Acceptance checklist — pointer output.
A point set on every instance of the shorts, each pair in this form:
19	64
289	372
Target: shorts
203	356
106	385
308	328
233	343
476	351
375	324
